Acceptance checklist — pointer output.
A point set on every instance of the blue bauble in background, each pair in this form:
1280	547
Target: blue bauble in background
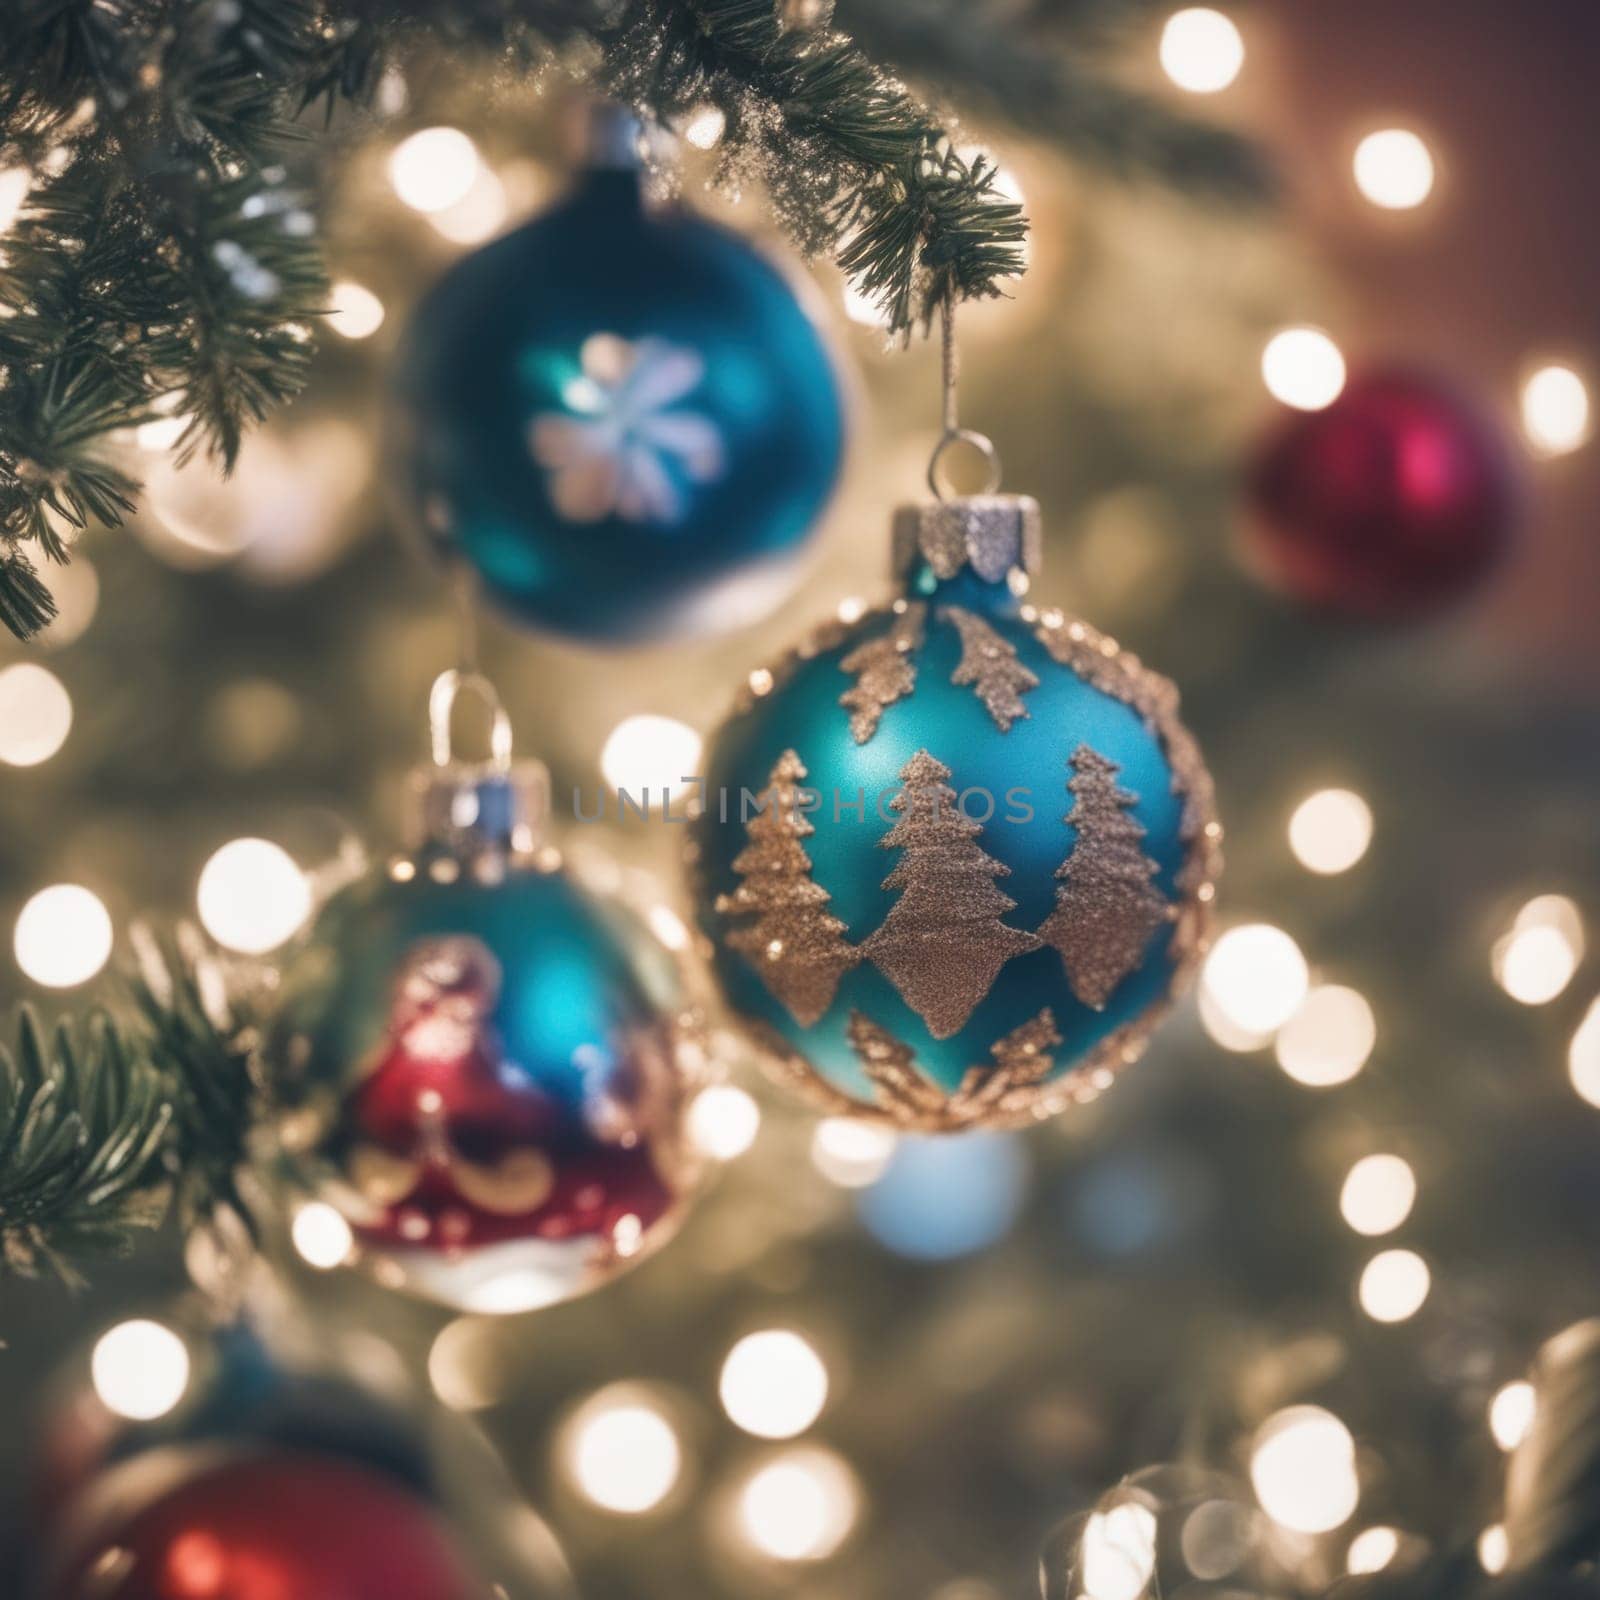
955	857
622	418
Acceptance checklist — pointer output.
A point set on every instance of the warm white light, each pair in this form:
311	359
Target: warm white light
723	1121
75	588
1201	50
1394	169
63	936
14	185
650	752
705	128
1394	1285
354	312
434	168
1303	368
1330	830
1378	1194
1494	1549
862	308
1225	1031
799	1507
623	1453
140	1370
1117	1557
1303	1467
252	896
160	434
477	214
850	1152
1535	961
1256	976
1583	1055
668	927
462	1366
1555	410
35	715
1511	1414
774	1384
1371	1550
1327	1041
321	1236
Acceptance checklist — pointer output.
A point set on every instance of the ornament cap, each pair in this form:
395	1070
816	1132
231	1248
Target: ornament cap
992	534
476	809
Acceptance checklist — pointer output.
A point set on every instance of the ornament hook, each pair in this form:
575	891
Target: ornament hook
954	433
447	687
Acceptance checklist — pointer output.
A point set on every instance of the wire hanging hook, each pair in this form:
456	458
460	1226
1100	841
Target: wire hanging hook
447	687
953	433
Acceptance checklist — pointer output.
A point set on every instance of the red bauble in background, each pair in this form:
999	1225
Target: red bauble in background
274	1526
1394	500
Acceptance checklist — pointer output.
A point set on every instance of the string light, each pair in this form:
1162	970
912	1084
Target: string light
1329	1038
651	752
622	1452
1303	368
705	128
1372	1550
1536	959
1303	1469
774	1384
1394	1285
1555	411
63	936
1511	1414
476	215
1256	976
252	897
35	715
140	1370
850	1152
321	1236
1583	1055
354	312
723	1121
1378	1194
1494	1549
1330	830
434	168
800	1506
1201	50
1118	1552
1394	169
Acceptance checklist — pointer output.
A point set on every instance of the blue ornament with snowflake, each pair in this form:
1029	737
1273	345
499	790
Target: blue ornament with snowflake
955	856
620	416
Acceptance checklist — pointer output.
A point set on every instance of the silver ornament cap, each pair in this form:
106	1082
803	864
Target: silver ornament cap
990	534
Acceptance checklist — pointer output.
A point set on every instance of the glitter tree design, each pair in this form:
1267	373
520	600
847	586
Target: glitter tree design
989	664
796	946
943	944
1107	907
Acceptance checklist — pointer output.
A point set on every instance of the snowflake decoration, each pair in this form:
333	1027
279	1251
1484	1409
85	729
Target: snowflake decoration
625	447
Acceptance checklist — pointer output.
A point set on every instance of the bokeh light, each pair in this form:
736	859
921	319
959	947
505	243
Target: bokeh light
75	588
1329	1038
851	1152
1256	977
940	1198
1394	169
464	1366
1303	1469
1583	1055
321	1236
1394	1285
723	1121
14	185
1555	410
1372	1550
35	715
649	752
1118	1553
622	1452
774	1384
63	936
1511	1413
252	897
1330	830
433	168
1303	368
1535	960
1494	1549
477	215
354	311
1378	1194
1201	50
140	1370
799	1506
705	127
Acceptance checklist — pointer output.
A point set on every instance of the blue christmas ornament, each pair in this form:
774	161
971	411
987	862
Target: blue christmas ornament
620	416
493	1063
956	857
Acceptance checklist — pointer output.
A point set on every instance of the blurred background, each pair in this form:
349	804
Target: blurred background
1358	1171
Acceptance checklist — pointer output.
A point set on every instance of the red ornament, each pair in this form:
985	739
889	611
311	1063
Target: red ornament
267	1527
1390	502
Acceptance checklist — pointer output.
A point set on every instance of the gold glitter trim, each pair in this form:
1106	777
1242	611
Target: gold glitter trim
885	671
798	949
942	944
1107	908
990	664
899	1087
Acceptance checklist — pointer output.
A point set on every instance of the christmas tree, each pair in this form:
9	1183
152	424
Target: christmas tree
797	947
1107	907
990	665
943	943
885	671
